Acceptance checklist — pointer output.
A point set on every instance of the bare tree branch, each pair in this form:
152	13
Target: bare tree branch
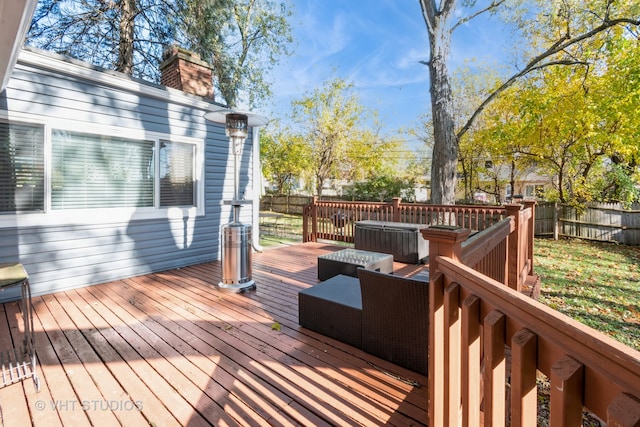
466	19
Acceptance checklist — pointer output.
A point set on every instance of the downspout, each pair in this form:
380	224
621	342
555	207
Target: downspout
257	190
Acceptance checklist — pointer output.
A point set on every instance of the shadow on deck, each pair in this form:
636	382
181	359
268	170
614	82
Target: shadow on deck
170	349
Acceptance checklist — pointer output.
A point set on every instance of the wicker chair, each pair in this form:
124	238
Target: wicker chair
395	318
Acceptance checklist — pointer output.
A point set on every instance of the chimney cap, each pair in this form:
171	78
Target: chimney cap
173	53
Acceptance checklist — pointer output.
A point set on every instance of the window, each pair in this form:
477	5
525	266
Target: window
177	185
94	171
21	168
65	172
529	190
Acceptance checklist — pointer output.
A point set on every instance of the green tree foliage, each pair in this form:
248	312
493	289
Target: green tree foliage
242	39
285	158
335	125
556	33
383	188
617	184
576	124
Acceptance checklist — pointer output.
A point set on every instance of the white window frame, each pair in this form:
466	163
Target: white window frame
529	190
105	215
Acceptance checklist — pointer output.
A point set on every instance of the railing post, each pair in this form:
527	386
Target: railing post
443	241
305	223
531	204
513	248
314	219
446	241
556	221
396	209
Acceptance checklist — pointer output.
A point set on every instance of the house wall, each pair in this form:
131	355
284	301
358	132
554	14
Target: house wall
63	250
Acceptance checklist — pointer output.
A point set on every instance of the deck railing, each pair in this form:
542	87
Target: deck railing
335	220
504	251
488	341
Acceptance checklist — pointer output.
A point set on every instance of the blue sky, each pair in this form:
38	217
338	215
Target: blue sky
377	46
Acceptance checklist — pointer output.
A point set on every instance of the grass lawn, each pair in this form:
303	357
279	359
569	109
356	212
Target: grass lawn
597	284
275	241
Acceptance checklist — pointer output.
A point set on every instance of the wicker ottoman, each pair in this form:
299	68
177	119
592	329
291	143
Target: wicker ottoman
333	308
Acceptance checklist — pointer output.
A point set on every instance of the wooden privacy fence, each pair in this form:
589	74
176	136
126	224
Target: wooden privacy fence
284	204
609	222
488	341
335	220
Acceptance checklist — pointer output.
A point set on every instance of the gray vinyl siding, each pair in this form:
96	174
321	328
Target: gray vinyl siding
59	257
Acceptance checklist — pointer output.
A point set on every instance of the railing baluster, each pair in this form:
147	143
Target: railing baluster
452	353
567	382
436	360
494	369
470	374
524	396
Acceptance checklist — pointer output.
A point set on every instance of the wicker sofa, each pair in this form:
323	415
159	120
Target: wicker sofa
388	317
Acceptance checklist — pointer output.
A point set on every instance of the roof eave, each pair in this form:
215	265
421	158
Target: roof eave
15	19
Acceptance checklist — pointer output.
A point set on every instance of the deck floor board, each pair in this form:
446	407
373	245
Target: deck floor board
170	348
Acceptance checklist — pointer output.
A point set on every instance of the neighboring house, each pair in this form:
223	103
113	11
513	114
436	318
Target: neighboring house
103	176
529	185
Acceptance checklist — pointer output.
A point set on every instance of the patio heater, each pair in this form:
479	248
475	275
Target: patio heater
236	236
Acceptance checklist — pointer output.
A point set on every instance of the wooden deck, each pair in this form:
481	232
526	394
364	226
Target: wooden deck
170	349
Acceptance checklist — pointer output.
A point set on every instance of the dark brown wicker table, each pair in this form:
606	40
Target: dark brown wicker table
347	262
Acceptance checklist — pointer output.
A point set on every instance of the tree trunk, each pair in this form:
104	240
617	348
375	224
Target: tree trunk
444	162
512	178
125	44
445	148
319	185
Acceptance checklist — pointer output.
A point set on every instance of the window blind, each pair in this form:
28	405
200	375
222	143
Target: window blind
21	167
94	171
177	174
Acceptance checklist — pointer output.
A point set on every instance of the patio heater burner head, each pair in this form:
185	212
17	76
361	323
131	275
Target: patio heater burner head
237	125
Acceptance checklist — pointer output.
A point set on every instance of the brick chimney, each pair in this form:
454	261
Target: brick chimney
184	70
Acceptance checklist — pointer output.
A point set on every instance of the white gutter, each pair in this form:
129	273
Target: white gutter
257	190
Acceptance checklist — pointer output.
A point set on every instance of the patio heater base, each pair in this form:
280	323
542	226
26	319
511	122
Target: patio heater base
237	288
236	257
